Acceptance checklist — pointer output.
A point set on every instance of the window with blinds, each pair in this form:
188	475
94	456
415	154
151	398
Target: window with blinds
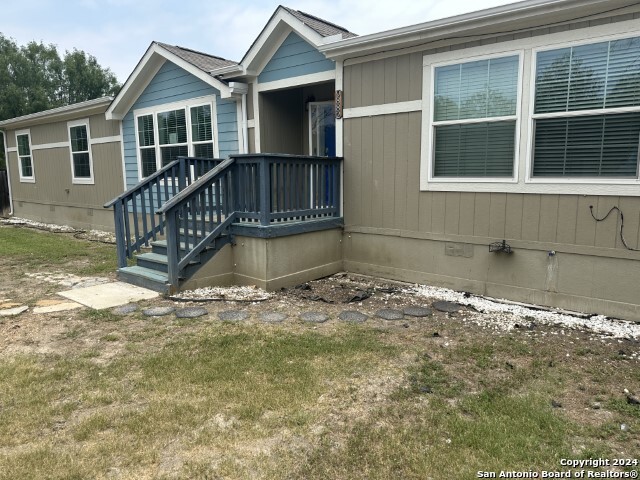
475	117
587	111
163	136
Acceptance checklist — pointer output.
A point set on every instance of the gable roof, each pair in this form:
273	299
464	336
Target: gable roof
284	20
196	63
66	112
323	27
203	61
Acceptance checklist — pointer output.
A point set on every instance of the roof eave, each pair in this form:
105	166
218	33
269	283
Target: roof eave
90	107
443	28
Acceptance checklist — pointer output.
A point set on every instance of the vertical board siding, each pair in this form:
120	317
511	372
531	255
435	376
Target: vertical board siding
173	84
293	58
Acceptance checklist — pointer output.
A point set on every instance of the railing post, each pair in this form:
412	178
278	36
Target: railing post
120	234
336	174
182	174
173	244
265	191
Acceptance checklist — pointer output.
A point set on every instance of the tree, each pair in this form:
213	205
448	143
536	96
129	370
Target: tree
34	77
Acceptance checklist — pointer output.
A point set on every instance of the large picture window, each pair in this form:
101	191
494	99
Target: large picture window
587	111
80	145
25	160
475	117
164	135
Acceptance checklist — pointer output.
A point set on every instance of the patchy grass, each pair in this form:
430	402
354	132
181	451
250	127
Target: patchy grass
31	248
89	394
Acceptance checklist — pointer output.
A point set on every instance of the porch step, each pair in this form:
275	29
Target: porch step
159	262
145	277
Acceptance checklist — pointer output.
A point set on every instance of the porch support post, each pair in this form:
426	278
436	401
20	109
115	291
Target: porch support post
121	253
172	248
265	187
182	174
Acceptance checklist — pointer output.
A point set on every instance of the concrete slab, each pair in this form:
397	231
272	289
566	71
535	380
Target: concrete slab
9	305
57	307
48	302
10	312
109	295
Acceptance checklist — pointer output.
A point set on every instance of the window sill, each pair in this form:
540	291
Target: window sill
83	181
27	180
629	188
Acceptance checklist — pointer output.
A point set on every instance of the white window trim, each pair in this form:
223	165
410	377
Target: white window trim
573	186
23	179
432	124
185	105
529	178
81	180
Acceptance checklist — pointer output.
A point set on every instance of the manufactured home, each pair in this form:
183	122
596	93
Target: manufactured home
494	152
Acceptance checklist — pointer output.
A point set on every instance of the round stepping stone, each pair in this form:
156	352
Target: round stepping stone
125	309
417	311
390	314
233	315
158	311
448	307
272	317
353	316
191	312
314	317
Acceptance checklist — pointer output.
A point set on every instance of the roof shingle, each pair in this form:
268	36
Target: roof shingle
323	27
203	61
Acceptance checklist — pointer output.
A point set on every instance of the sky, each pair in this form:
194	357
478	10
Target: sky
118	32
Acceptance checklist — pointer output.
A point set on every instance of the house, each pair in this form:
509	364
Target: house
513	129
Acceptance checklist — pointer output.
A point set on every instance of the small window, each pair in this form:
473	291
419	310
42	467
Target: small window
474	118
587	111
25	160
81	161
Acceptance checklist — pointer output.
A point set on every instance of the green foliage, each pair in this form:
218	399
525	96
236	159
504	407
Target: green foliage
34	77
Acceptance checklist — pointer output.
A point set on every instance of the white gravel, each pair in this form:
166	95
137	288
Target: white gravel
504	316
52	227
232	294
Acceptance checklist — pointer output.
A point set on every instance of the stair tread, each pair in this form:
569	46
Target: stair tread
153	257
148	273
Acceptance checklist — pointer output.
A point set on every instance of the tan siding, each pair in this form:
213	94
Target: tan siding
101	127
585	225
452	213
11	138
438	205
355	94
482	215
377	188
606	231
513	216
630	207
548	218
497	215
567	218
366	88
49	133
250	102
366	173
531	217
413	171
401	180
390	80
467	211
389	164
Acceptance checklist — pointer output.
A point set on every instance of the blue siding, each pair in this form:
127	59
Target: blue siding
295	57
173	84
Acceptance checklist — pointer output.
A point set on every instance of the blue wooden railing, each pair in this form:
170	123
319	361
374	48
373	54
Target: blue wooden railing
135	221
256	189
264	189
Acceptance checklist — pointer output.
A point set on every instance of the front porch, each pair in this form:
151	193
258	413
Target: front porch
188	212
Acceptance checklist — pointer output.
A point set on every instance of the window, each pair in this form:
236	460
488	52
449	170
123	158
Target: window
25	161
474	121
81	160
587	111
164	135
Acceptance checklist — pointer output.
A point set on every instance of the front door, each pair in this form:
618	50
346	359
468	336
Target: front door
322	129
